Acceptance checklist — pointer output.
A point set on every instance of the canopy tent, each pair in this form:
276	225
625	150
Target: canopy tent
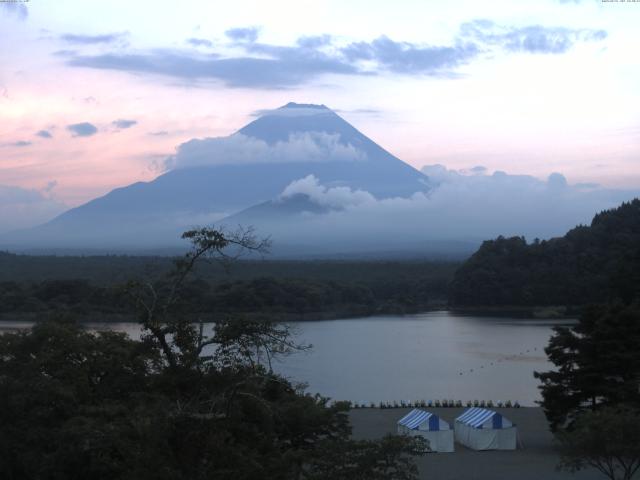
428	425
482	429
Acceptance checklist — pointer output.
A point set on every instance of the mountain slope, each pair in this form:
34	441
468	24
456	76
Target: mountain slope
589	264
154	213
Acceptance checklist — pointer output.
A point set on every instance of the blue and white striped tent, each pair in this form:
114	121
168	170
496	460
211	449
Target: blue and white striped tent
482	429
430	426
478	417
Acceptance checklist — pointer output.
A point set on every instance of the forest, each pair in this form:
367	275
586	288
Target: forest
76	404
96	287
590	264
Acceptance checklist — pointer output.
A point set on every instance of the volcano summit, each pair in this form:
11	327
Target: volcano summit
209	179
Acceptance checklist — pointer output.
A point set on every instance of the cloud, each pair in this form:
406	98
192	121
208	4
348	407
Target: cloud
83	129
361	111
287	66
19	143
246	34
121	123
44	134
50	186
92	39
199	42
269	66
241	149
405	57
332	197
14	9
478	170
314	41
557	181
22	208
159	133
530	39
458	206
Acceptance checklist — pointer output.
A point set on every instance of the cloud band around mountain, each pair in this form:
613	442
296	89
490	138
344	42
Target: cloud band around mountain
469	205
239	149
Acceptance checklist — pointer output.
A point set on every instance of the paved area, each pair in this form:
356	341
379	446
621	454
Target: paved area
536	460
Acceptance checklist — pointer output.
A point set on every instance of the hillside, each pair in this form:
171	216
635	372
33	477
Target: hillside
589	264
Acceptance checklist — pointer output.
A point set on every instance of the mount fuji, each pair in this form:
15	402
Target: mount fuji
210	179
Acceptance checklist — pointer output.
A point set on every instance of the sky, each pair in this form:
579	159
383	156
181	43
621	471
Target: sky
97	95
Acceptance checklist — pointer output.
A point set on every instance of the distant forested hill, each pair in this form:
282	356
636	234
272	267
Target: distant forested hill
589	264
93	287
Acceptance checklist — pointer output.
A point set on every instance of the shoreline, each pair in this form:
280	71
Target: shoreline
516	313
546	312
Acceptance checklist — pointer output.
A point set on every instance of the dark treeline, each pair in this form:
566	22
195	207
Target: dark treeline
287	289
114	269
75	404
590	264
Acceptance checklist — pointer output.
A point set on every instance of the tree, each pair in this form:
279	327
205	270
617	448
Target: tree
597	364
362	460
608	440
595	263
178	405
65	398
159	305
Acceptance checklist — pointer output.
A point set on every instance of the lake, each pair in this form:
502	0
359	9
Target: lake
429	356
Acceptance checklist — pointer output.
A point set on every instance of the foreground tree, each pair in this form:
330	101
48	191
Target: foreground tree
592	399
183	403
607	440
597	364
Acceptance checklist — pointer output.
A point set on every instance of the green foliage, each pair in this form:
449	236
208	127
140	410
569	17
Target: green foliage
589	264
104	270
90	286
597	363
391	458
77	405
298	298
66	398
607	439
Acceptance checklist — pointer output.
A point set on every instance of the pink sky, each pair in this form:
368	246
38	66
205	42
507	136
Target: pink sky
576	112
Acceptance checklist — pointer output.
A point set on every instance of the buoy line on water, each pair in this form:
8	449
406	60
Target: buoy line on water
500	360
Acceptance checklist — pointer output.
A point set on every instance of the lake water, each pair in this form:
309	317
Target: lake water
429	356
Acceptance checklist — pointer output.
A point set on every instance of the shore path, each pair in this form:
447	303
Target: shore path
536	460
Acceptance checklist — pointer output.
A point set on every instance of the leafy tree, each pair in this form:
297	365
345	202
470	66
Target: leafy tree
65	397
362	460
180	404
597	364
608	440
595	263
159	304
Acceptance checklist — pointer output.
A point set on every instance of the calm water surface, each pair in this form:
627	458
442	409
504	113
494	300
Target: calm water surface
434	355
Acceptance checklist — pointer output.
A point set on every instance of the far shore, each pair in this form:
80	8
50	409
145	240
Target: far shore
536	459
515	312
547	312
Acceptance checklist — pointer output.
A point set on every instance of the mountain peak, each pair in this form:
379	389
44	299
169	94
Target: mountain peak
304	105
226	176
